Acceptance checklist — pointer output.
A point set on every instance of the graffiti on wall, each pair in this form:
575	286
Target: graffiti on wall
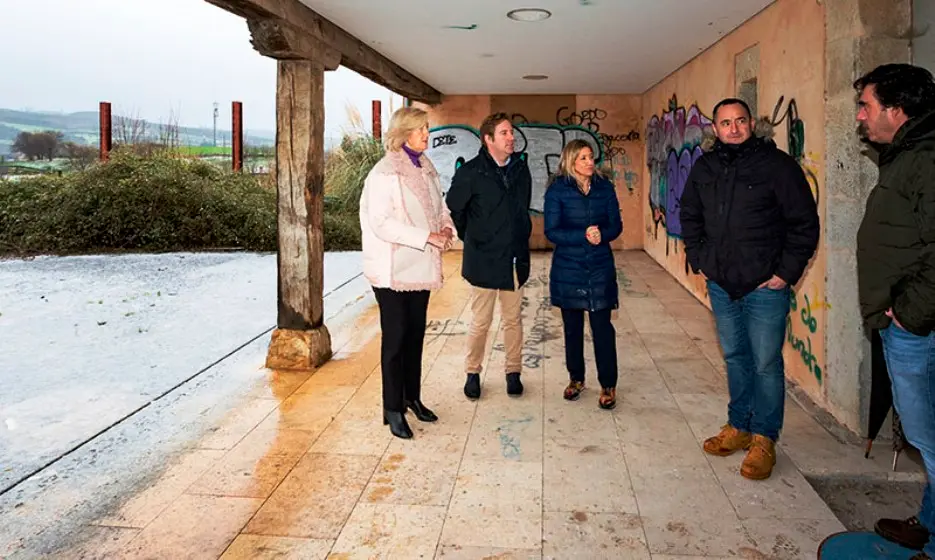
673	145
804	313
614	152
540	144
795	131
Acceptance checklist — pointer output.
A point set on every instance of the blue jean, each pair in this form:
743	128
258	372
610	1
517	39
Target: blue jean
910	361
752	331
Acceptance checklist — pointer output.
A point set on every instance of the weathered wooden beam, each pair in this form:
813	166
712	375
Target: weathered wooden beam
301	340
275	39
355	54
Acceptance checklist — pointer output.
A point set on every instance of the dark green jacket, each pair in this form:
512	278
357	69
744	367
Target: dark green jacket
896	240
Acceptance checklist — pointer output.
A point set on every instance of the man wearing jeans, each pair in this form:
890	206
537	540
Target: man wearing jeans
489	201
750	225
896	263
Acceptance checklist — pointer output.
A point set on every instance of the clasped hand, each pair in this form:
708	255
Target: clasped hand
442	240
593	235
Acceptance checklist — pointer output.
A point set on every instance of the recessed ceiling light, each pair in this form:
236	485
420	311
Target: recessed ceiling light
535	77
529	14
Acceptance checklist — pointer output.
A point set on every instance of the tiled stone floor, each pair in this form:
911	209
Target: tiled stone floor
307	470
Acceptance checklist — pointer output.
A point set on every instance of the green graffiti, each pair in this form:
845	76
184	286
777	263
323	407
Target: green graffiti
804	346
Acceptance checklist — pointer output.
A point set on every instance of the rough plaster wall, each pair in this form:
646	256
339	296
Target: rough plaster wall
923	24
789	37
861	34
746	73
613	118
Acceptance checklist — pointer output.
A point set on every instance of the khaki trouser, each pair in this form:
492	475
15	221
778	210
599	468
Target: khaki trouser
482	302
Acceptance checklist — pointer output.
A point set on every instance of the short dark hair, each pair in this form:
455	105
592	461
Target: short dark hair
908	87
489	125
731	101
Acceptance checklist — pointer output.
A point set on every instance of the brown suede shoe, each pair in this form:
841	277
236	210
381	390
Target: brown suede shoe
760	459
728	441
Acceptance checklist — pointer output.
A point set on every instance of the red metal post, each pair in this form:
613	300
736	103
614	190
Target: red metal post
237	139
377	119
106	131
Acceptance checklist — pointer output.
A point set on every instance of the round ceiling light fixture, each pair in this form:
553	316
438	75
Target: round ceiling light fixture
529	14
535	77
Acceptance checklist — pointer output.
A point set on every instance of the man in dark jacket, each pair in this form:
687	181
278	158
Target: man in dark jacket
750	225
489	201
896	263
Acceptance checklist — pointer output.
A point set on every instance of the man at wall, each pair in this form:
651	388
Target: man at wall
489	201
750	225
896	263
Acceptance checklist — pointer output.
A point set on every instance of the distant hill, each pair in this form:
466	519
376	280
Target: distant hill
83	128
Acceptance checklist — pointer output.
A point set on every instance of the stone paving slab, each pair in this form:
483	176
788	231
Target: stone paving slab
311	472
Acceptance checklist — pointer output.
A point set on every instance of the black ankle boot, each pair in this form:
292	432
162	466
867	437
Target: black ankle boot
421	411
398	424
472	386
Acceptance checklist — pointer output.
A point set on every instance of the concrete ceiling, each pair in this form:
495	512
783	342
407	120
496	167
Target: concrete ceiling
593	46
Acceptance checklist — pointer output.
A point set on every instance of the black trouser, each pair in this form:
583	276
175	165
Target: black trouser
402	322
605	345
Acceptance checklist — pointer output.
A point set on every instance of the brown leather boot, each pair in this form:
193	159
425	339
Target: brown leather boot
760	459
727	442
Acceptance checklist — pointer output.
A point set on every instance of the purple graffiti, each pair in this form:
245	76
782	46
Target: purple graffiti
673	143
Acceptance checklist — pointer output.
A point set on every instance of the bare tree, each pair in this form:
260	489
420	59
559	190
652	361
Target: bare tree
129	131
169	132
80	156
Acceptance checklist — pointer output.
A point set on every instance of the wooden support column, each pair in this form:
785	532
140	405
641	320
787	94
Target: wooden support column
301	340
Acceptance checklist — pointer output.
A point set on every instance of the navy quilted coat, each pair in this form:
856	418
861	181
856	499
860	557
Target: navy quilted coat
583	275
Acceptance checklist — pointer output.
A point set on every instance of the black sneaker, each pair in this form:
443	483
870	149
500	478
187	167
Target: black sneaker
472	386
908	533
513	385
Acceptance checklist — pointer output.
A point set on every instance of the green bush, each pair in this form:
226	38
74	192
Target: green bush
342	231
155	203
164	202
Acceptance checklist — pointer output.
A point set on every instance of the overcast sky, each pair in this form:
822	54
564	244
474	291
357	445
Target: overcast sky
150	58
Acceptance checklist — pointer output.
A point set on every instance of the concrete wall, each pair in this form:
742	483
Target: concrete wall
923	25
861	34
779	54
544	123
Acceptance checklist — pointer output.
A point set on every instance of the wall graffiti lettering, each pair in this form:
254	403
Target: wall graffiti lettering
586	118
541	144
803	346
673	145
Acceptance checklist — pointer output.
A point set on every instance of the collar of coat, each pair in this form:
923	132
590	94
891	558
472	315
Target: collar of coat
401	164
914	131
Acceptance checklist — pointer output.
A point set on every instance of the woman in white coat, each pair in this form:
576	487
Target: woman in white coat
405	227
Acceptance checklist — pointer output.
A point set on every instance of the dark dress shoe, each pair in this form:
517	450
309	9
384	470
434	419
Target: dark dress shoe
421	411
904	532
398	425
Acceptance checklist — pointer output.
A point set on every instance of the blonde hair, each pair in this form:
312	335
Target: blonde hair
566	165
402	124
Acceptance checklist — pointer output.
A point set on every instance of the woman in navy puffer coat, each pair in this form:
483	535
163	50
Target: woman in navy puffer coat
582	217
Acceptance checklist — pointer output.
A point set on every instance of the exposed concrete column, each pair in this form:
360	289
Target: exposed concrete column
860	35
